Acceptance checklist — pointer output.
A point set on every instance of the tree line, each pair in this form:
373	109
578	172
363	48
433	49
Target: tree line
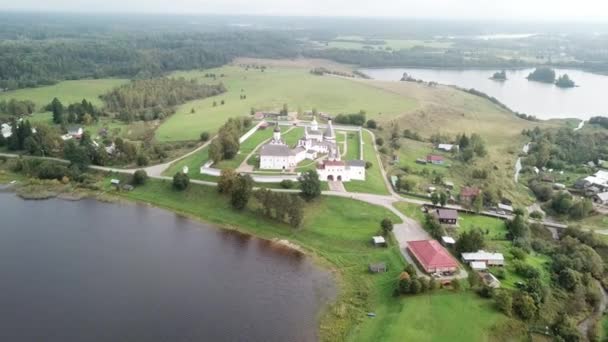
156	98
99	53
16	107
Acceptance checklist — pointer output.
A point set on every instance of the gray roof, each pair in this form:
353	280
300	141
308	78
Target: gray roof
447	214
276	150
360	163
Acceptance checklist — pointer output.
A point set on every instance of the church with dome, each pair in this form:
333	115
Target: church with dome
277	155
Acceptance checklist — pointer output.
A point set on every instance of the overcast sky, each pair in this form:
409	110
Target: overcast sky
454	9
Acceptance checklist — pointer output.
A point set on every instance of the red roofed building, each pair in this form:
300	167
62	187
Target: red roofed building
431	255
433	159
468	194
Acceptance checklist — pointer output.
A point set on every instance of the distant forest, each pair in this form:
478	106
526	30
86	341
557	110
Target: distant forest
34	54
41	49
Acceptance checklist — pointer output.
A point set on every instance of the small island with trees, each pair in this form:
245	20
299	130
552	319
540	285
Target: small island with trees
499	76
548	75
542	74
564	81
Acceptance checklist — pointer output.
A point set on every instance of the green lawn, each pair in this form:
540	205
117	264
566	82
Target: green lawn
67	92
194	163
271	89
374	182
494	228
444	316
352	147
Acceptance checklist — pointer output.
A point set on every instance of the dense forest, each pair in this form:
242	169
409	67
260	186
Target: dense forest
155	98
40	51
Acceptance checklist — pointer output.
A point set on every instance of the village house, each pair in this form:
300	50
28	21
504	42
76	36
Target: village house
432	256
504	209
489	259
434	159
468	194
446	216
447	147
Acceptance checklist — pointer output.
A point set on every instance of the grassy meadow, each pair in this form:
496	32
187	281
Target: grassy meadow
269	90
67	92
374	182
358	43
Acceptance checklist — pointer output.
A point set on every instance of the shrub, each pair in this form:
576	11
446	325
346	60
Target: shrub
142	160
204	136
519	253
181	181
525	270
371	124
140	177
287	184
537	215
368	165
379	141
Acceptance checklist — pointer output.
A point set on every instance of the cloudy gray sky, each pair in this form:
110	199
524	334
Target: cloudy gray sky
457	9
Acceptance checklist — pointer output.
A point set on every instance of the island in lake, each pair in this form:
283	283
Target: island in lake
564	81
548	75
542	74
499	76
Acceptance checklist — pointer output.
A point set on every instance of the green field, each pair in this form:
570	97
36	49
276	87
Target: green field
352	147
67	92
444	316
271	89
374	182
493	228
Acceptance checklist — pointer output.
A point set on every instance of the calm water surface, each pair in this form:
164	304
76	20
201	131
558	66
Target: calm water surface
90	271
546	101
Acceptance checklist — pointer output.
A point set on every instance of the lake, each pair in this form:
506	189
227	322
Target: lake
92	271
546	101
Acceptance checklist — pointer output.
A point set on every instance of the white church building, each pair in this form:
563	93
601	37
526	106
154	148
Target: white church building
277	155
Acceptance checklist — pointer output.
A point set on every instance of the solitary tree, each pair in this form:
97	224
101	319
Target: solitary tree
181	181
435	198
140	177
443	199
387	226
241	192
310	185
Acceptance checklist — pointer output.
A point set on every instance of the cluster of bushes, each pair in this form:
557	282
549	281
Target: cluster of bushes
238	187
561	203
357	119
48	170
409	283
281	206
17	107
227	144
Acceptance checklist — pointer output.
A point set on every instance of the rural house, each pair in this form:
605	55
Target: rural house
432	256
434	159
490	259
446	216
468	194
